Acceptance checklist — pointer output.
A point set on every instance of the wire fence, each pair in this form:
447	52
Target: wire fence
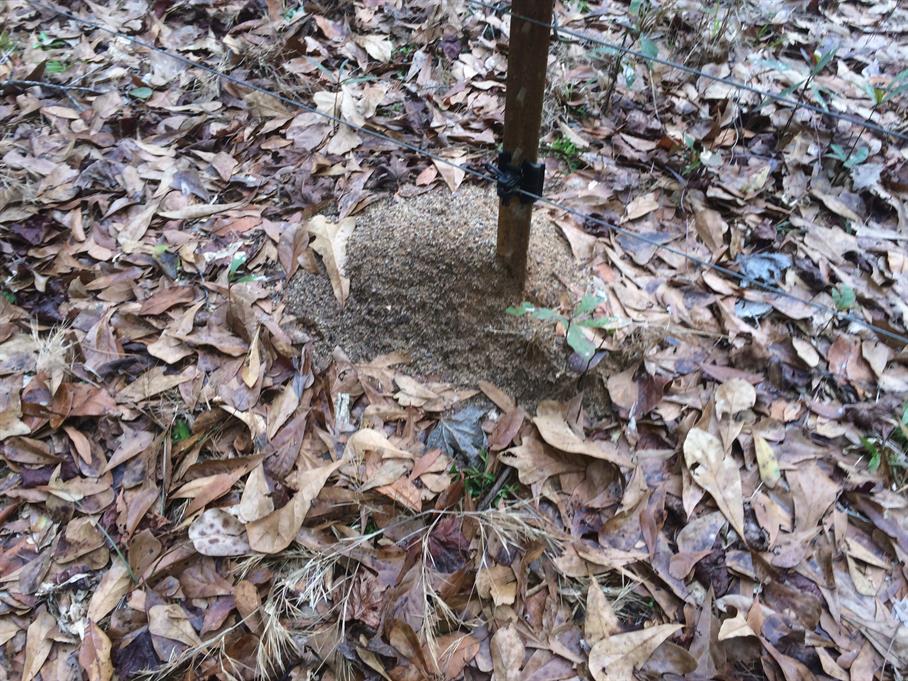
621	50
586	218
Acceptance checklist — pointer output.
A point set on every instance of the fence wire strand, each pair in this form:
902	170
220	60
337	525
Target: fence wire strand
730	82
586	218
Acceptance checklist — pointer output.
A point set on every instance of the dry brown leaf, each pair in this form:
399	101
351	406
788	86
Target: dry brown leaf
734	627
114	585
171	621
330	242
132	232
38	642
600	621
556	432
94	654
198	211
640	206
508	652
717	474
615	658
734	396
278	529
498	583
452	175
767	462
256	500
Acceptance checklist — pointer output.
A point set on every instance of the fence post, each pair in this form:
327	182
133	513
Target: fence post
528	53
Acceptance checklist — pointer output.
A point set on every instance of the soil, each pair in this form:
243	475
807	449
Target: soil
424	279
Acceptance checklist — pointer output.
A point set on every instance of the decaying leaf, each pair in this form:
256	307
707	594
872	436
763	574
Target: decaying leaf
716	473
275	531
556	432
330	242
94	655
217	533
614	658
766	460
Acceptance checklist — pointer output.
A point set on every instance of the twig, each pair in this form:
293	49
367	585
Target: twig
496	488
15	82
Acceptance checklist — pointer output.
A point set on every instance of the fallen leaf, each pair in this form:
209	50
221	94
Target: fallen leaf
734	396
735	627
717	474
171	621
615	658
330	242
275	532
767	462
113	586
600	621
507	655
94	654
198	211
556	432
38	642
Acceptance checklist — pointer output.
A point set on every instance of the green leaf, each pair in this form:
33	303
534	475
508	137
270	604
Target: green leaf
587	304
597	322
236	264
54	66
824	60
9	295
141	92
649	49
843	297
180	431
579	343
634	9
629	75
874	451
857	158
791	88
520	310
545	314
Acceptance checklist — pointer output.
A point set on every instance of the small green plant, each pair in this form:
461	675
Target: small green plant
142	93
46	42
6	43
233	272
478	480
9	295
180	430
567	151
847	158
843	297
693	156
582	317
818	61
891	449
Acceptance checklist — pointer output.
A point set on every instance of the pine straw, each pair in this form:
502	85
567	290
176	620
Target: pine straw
311	591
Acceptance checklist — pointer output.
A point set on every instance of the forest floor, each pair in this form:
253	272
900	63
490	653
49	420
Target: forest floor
263	414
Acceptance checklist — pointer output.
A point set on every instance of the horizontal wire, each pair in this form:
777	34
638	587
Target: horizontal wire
428	153
848	118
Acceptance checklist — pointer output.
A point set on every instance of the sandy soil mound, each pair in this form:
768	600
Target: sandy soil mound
424	280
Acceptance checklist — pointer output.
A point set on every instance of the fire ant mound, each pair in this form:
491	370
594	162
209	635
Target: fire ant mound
424	280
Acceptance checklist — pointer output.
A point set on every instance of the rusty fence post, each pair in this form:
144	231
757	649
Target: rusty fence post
528	53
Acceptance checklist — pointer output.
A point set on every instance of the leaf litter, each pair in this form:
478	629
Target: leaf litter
196	484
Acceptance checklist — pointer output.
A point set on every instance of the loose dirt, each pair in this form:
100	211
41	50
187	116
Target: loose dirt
424	280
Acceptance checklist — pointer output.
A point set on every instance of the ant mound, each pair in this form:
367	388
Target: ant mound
424	280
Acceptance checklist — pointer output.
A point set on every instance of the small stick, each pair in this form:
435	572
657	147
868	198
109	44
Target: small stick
15	82
496	488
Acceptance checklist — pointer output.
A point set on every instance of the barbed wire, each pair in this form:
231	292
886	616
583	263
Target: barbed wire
702	263
730	82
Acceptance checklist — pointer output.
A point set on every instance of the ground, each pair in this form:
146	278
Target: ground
263	412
